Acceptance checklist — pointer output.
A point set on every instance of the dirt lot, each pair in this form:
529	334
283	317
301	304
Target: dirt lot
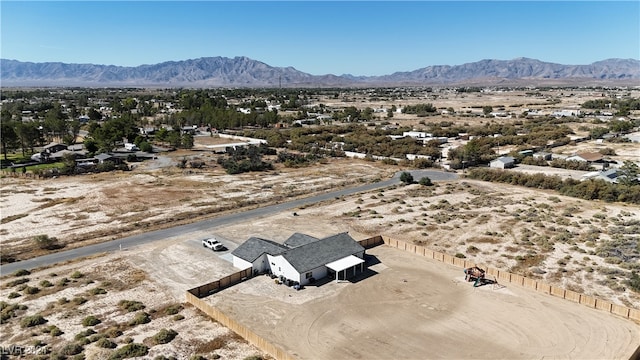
411	308
535	233
86	209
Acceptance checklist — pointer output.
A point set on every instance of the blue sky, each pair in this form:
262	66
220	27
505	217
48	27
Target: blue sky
360	38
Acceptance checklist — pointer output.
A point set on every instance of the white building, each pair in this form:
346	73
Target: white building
503	162
302	258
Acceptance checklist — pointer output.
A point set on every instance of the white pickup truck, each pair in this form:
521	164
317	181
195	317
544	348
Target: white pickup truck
213	244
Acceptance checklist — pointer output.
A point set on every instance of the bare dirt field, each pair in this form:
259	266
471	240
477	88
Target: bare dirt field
535	233
413	308
86	209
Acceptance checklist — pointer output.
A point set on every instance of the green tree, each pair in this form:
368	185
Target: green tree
426	181
9	138
146	147
94	115
45	242
406	177
29	135
628	173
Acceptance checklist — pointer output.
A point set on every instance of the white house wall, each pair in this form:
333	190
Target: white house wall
317	273
281	267
241	264
261	263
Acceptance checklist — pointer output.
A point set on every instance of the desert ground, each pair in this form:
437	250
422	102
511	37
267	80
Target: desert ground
407	307
539	234
560	240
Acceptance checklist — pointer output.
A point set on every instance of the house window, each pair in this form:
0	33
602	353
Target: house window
309	274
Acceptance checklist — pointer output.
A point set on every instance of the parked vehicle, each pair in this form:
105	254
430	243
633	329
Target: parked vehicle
213	244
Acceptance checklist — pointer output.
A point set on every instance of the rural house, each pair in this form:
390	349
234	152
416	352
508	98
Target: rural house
503	162
302	258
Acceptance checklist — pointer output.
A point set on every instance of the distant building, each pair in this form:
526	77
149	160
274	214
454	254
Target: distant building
589	157
503	162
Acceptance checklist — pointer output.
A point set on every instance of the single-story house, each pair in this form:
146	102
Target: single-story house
503	162
54	148
542	155
610	175
301	258
102	158
586	157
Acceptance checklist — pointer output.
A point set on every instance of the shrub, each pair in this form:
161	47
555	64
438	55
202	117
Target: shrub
173	309
63	282
634	282
33	320
425	181
13	295
130	305
45	242
46	283
106	343
55	331
17	282
141	318
76	275
31	290
178	317
21	272
164	336
113	332
129	351
71	349
83	334
460	256
96	337
97	291
79	300
90	321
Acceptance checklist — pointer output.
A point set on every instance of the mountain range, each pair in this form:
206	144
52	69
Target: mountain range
245	72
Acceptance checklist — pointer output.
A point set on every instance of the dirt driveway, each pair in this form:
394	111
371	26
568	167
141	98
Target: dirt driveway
413	308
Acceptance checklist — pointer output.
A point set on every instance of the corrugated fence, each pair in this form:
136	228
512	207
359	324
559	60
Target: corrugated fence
506	277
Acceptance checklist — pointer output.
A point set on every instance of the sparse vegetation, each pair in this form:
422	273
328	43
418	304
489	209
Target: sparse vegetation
164	336
131	305
129	351
33	320
90	321
140	318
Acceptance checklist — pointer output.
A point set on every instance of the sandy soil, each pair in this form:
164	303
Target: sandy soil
410	308
123	277
85	209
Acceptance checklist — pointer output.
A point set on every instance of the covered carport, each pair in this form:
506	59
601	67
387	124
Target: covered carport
345	263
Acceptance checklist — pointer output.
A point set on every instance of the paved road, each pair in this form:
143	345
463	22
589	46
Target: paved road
148	237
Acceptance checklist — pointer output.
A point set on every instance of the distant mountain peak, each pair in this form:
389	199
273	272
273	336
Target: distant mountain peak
243	71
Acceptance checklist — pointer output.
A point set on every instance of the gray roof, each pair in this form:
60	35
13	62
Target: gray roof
610	174
251	249
53	144
299	239
103	156
318	253
505	159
